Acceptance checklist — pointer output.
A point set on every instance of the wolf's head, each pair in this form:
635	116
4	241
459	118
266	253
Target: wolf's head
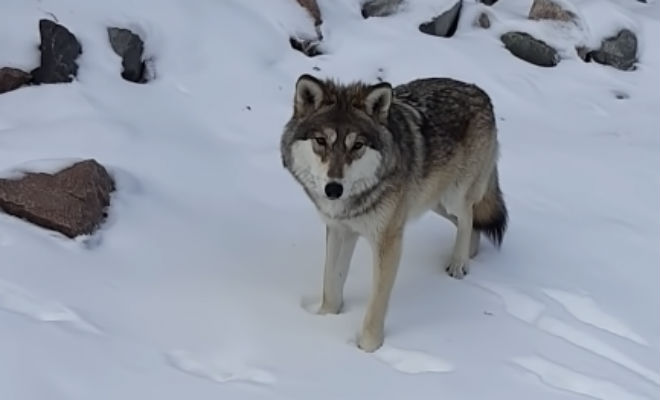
334	144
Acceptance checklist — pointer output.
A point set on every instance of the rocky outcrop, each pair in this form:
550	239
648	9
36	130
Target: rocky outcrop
72	201
59	51
549	9
445	24
530	49
12	79
130	48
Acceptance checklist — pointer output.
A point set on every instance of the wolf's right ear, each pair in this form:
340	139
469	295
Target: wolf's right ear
309	94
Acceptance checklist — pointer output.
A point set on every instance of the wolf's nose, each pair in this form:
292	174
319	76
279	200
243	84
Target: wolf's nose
334	190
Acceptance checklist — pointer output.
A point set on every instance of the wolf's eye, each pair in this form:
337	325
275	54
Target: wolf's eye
357	146
320	141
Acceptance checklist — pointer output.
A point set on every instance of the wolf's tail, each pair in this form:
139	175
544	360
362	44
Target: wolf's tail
490	215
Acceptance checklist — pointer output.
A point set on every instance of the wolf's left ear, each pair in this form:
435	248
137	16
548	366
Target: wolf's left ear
378	101
309	95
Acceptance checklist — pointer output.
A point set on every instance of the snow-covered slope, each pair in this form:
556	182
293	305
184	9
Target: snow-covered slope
200	283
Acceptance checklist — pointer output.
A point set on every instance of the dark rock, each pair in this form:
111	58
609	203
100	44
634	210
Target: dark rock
445	24
12	78
130	48
483	21
619	51
59	51
583	53
308	47
548	9
530	49
72	201
380	8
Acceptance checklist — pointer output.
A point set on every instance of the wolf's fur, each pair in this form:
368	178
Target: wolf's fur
430	144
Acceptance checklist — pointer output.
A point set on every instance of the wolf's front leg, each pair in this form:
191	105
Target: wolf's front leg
386	257
339	247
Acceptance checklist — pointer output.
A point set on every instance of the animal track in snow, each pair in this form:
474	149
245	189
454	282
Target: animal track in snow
586	310
517	304
16	299
217	371
411	361
560	377
581	339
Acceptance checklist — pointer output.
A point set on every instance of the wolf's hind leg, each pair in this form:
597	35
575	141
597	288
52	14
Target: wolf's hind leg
475	238
458	265
340	244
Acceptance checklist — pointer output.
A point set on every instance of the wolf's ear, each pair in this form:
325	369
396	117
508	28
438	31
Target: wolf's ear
378	100
309	94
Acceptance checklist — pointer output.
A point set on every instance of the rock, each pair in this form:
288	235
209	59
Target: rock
549	9
59	51
72	201
444	24
619	51
483	21
313	9
308	47
13	78
530	49
380	8
130	48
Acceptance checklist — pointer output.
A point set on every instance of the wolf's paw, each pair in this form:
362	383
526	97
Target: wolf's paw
329	308
370	341
457	269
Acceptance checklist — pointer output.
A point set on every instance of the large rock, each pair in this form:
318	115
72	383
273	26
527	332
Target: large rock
59	51
130	48
549	9
12	78
444	24
380	8
530	49
72	201
619	51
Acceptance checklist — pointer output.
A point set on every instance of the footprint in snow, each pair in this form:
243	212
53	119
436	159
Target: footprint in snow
560	377
411	361
218	371
517	304
16	299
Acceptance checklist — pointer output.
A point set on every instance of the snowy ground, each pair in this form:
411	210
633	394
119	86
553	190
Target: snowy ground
199	284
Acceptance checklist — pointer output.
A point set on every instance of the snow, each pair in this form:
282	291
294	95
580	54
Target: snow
199	284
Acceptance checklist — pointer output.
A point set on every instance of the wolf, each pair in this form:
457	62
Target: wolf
373	157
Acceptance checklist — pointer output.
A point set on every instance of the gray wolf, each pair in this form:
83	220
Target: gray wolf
372	157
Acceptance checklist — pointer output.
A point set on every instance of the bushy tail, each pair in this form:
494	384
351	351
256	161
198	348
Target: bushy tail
490	215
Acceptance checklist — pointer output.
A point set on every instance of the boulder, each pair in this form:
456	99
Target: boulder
550	9
130	48
59	51
530	49
13	78
380	8
72	201
445	24
619	51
